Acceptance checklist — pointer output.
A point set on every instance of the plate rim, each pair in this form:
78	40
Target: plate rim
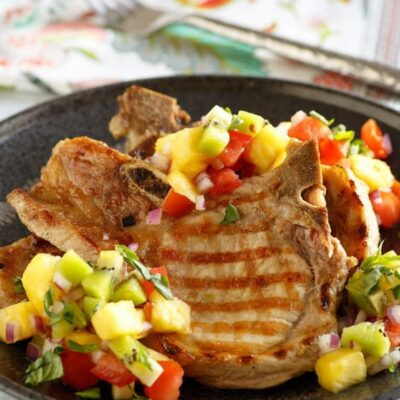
22	392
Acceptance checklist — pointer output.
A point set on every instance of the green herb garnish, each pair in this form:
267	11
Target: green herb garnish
66	314
92	393
82	348
320	117
231	215
357	146
159	281
46	368
18	286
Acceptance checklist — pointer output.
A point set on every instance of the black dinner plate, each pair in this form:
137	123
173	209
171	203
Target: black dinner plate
26	140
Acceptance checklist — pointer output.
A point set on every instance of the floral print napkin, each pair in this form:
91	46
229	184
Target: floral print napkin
59	46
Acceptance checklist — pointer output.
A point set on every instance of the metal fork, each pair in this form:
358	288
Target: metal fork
131	16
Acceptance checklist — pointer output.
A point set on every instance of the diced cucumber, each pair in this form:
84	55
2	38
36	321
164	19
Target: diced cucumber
61	329
110	261
130	290
118	319
252	123
91	305
73	267
80	320
136	358
217	113
370	337
357	287
214	139
99	284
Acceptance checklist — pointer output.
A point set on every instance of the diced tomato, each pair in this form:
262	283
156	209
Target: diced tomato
166	387
387	208
77	367
225	180
373	138
176	205
396	188
309	128
234	149
110	369
393	332
330	151
149	286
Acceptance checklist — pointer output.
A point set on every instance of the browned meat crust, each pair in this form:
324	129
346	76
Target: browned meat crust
13	261
261	290
144	114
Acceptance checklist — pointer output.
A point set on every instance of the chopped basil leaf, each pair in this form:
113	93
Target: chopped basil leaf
92	393
236	122
82	348
18	286
357	146
46	368
370	281
231	215
320	117
58	350
160	284
66	314
396	292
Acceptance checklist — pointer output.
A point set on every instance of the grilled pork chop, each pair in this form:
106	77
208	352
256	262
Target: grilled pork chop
143	115
261	290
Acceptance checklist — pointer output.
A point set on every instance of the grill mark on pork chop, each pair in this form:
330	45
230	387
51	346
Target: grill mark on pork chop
259	304
223	257
241	282
242	327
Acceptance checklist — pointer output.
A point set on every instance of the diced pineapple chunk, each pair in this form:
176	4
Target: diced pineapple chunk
265	148
169	315
252	123
184	154
341	369
20	314
117	319
83	337
375	173
164	144
37	278
182	185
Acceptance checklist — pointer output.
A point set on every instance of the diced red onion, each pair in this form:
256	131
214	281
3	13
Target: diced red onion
33	351
328	342
217	164
361	317
75	294
57	307
200	203
298	117
154	217
133	246
387	143
63	283
160	161
203	182
376	197
391	358
12	329
393	314
372	319
96	355
37	323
